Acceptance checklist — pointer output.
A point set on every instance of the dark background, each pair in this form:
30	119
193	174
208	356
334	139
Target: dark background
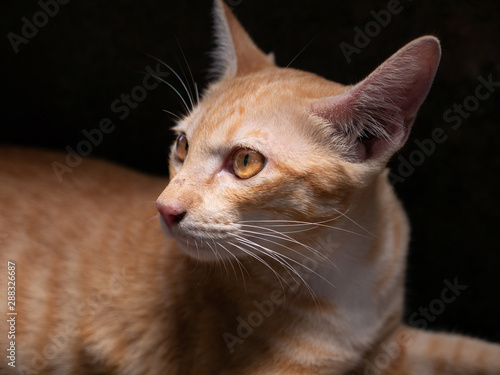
67	76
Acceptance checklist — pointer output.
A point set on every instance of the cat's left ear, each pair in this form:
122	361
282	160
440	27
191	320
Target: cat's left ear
235	53
372	119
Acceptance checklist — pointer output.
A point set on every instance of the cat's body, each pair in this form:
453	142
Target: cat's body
135	291
286	260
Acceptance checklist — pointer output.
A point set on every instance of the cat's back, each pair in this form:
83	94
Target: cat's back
65	172
43	197
40	182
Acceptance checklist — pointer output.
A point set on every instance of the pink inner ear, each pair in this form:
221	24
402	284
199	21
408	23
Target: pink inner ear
375	116
365	128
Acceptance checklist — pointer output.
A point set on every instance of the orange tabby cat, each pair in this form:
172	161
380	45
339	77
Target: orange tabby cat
285	247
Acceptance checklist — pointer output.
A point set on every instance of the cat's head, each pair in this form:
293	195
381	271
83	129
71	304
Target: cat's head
269	149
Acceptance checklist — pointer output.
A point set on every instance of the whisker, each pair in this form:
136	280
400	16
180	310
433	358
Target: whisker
238	262
344	214
308	227
154	217
197	258
221	259
291	222
197	96
186	107
211	248
293	260
175	116
280	258
197	92
177	76
318	224
259	259
284	236
314	251
188	90
302	50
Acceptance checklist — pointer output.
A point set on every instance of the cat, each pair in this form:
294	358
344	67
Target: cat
277	246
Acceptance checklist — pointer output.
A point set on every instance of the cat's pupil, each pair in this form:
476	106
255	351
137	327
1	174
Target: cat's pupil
247	163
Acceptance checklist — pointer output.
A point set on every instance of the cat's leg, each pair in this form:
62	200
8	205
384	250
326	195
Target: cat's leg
411	351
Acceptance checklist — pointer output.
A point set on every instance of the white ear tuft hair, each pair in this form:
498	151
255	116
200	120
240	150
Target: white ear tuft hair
235	52
224	54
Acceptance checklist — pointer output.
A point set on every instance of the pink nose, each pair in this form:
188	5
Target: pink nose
172	215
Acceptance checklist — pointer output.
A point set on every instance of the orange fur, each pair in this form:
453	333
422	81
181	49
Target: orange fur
298	269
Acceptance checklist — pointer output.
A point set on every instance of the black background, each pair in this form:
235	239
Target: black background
87	55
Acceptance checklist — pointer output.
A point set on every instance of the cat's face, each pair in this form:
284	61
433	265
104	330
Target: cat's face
269	153
251	152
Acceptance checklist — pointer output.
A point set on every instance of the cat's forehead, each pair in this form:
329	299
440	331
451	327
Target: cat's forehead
260	108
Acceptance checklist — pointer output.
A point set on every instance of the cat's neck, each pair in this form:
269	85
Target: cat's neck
366	276
366	248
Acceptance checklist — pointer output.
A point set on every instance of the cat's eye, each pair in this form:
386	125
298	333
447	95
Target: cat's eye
247	163
181	147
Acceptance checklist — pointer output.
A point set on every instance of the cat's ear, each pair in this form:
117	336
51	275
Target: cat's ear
235	52
372	119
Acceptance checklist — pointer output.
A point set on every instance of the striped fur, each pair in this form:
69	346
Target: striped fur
296	270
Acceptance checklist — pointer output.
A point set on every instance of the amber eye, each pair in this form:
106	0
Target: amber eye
247	163
181	147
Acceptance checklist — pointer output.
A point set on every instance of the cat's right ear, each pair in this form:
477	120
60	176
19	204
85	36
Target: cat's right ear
235	53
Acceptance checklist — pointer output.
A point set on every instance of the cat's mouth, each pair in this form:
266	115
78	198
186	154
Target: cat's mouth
202	241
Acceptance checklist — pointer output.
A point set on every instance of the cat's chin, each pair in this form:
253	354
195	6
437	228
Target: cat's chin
200	252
